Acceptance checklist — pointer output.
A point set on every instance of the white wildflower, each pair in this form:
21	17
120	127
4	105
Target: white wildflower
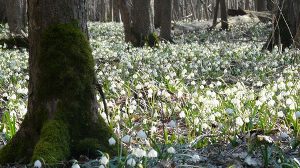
239	121
141	134
195	158
112	141
131	162
138	152
126	139
75	166
37	164
152	153
182	114
104	160
171	150
172	124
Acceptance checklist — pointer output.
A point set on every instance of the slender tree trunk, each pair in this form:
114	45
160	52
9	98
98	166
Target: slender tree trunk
62	117
15	12
285	25
216	13
157	13
224	21
166	12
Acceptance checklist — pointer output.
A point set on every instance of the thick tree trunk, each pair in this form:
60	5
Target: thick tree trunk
3	18
142	24
224	21
285	25
157	13
62	113
116	11
166	12
15	12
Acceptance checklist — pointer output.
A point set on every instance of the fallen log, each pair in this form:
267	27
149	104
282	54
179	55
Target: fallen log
264	16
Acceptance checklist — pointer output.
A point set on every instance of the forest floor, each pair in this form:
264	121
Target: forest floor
212	99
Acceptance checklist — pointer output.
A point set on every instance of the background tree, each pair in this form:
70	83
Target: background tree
62	118
224	21
16	15
261	5
2	11
157	13
142	23
166	16
285	25
116	11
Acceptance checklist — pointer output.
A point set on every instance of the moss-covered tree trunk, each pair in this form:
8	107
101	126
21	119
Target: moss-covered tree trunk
62	119
285	25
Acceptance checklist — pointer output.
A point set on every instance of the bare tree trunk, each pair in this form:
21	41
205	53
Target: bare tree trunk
3	18
15	12
176	9
166	12
247	4
285	25
260	5
116	11
126	18
157	13
142	24
62	115
224	21
216	13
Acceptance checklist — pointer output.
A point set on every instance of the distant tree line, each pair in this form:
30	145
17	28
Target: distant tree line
140	18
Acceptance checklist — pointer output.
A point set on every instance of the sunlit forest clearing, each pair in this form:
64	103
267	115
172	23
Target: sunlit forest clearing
200	95
209	92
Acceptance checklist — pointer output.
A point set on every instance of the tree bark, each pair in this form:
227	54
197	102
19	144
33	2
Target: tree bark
16	13
157	13
62	117
216	13
142	24
260	5
3	18
285	25
224	21
176	9
116	11
126	18
166	12
247	4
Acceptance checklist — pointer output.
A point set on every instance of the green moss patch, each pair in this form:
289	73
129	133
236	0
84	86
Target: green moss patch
53	145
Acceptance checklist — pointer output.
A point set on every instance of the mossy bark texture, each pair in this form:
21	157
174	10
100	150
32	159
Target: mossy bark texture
62	109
